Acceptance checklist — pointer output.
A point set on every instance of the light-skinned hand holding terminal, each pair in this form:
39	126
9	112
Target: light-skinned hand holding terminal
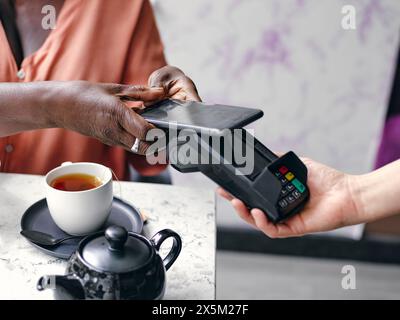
336	200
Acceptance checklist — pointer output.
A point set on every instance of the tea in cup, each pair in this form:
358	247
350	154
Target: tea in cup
79	196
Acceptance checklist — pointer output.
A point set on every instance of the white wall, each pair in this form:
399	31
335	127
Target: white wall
323	89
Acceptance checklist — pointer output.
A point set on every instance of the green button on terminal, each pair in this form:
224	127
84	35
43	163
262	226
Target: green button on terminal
299	186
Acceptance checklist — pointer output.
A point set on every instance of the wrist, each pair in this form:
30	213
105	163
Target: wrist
376	194
36	105
54	99
365	194
48	104
356	186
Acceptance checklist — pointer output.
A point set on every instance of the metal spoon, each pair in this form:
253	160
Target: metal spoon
44	238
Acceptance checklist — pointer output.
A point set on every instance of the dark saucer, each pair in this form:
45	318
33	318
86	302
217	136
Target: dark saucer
37	217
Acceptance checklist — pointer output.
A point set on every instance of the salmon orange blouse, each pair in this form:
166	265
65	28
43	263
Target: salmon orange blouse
94	40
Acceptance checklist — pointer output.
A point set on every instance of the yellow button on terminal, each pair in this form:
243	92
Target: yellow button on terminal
289	176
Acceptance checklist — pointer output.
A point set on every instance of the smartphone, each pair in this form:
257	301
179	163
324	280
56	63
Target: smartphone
201	117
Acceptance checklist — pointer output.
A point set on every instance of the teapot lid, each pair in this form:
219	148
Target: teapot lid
116	250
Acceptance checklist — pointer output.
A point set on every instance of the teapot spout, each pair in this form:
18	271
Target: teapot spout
65	287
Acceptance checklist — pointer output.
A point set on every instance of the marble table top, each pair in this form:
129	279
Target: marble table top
189	212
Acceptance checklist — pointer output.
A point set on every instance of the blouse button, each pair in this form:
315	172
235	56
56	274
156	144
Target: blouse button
21	74
9	148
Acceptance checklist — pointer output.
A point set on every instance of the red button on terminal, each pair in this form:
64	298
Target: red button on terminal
283	170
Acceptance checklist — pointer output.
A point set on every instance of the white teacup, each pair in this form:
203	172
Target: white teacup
80	212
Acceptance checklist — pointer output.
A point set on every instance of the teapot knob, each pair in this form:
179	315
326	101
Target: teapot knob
116	237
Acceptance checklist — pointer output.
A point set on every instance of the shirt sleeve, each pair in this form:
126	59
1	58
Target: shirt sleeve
146	54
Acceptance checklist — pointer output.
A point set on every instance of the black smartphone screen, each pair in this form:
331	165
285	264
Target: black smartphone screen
199	116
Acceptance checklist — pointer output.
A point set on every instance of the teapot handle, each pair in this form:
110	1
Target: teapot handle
68	286
160	237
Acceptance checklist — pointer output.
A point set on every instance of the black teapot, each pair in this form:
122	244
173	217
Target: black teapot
115	265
